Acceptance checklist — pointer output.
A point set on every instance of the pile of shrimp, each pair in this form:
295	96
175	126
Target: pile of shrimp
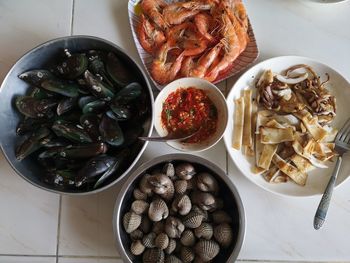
197	38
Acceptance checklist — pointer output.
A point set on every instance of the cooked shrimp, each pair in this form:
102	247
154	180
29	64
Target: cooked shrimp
153	9
162	71
150	38
177	13
241	15
232	48
204	22
199	68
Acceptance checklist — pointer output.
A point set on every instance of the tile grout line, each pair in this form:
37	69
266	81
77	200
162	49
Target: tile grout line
72	18
58	226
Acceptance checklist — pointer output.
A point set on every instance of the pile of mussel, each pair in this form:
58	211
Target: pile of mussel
82	118
177	215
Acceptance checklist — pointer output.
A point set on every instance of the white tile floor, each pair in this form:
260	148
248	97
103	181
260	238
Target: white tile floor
36	226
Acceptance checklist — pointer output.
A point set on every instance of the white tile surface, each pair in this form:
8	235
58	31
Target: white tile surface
89	260
26	259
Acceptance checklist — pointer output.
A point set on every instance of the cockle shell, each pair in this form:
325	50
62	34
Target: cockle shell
223	234
136	234
162	241
193	220
205	230
186	254
169	170
174	227
158	227
149	240
137	247
192	184
187	238
207	249
139	195
185	171
207	183
162	185
131	221
206	201
172	259
171	247
158	210
182	204
146	224
139	206
153	255
220	217
144	185
180	186
199	210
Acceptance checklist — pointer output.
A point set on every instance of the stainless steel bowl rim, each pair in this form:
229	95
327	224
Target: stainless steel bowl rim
151	124
177	157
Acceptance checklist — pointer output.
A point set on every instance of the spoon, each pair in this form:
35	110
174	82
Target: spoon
169	137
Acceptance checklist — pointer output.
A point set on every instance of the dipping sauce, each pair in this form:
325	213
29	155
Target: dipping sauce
188	110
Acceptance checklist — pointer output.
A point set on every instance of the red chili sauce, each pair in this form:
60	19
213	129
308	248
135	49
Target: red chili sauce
188	110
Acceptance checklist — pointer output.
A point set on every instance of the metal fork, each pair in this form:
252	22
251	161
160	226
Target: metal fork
342	145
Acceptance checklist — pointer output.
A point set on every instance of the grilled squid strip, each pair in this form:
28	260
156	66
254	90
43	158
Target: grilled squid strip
238	123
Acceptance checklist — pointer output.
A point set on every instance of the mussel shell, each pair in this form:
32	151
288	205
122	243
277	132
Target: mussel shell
39	94
118	72
120	112
93	168
63	178
85	100
97	87
90	122
83	151
127	94
29	124
32	107
73	66
66	105
68	89
36	77
111	131
96	106
70	131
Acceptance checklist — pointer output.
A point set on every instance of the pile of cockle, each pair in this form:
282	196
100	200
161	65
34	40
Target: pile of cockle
178	216
198	38
82	118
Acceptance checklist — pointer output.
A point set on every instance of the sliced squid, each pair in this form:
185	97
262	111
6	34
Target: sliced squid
273	135
238	124
294	173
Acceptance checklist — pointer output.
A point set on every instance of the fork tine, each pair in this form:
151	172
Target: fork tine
343	131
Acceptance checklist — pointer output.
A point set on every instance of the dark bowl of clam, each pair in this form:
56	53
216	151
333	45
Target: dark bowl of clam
72	110
179	208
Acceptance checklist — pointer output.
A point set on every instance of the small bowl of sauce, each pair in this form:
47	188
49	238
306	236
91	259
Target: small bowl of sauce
191	105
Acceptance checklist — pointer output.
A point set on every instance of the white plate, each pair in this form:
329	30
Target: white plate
318	178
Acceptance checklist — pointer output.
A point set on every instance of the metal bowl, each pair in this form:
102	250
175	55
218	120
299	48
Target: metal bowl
12	86
228	192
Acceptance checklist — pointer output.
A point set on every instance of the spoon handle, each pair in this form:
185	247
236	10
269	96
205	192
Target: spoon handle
322	209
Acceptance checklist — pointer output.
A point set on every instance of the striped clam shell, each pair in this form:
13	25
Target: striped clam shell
199	210
162	241
180	186
207	183
131	221
205	230
169	170
146	224
205	201
137	247
172	259
182	204
207	249
139	195
153	255
193	220
188	239
158	227
158	210
223	234
174	227
149	240
171	246
136	234
186	254
145	186
162	185
220	217
139	206
185	171
192	184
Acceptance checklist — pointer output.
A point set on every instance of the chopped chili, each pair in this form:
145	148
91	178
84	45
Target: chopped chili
188	110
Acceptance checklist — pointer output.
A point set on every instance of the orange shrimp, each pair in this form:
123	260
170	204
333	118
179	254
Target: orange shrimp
162	71
232	48
177	13
204	22
199	68
150	38
153	9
